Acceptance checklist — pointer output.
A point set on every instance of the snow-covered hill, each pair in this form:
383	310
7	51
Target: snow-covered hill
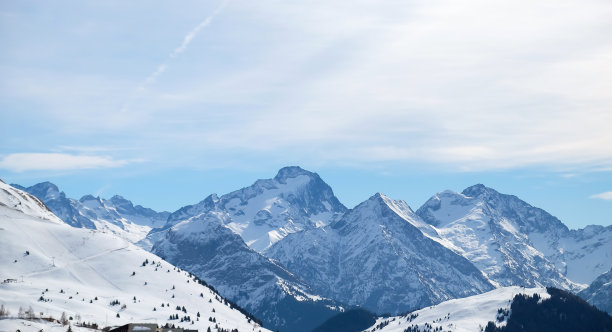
116	215
18	200
268	210
515	243
470	314
381	256
204	246
96	277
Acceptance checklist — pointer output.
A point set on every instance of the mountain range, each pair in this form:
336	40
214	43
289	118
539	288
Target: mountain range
116	215
381	256
287	250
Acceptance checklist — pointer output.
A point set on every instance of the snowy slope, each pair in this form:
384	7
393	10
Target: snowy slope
268	210
599	292
468	314
509	240
204	246
19	200
116	215
55	268
581	254
381	256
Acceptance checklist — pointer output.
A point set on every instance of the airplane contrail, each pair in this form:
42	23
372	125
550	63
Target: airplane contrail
176	52
189	37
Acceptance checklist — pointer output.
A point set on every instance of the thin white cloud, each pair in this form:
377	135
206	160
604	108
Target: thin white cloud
478	85
151	79
605	196
20	162
189	37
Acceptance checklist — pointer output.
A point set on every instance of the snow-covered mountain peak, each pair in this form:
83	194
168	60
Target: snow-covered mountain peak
379	255
499	233
118	199
117	215
382	212
201	225
291	172
89	198
479	190
269	209
207	204
44	190
379	208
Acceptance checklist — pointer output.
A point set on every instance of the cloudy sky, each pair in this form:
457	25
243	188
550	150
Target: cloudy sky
166	102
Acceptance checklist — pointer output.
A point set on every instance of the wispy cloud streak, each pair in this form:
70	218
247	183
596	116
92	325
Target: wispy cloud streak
189	37
152	78
20	162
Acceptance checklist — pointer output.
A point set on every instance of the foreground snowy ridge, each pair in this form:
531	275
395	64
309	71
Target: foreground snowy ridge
468	314
99	278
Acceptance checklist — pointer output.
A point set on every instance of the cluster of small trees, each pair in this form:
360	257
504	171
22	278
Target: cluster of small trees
381	325
502	314
25	314
88	325
220	329
427	328
4	312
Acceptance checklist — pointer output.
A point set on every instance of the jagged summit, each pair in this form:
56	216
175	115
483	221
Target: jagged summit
478	190
44	190
290	172
493	230
118	198
379	209
269	209
86	198
117	215
379	196
207	204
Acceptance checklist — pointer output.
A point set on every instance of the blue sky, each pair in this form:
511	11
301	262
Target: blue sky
165	103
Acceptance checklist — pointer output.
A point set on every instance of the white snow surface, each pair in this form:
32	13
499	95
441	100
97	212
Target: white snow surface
116	215
55	268
514	243
267	217
267	211
381	256
105	215
20	200
468	314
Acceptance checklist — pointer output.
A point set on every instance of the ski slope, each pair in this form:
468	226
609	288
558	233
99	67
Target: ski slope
55	268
